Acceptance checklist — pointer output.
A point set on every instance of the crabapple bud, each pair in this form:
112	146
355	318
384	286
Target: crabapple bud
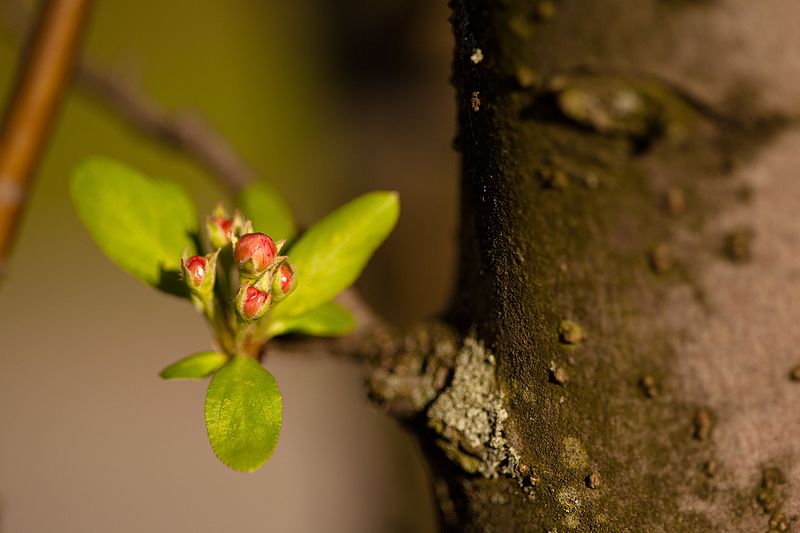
252	303
199	273
284	281
196	270
220	230
253	254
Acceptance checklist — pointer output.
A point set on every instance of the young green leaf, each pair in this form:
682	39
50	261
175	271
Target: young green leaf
327	320
243	414
332	253
269	212
195	366
142	225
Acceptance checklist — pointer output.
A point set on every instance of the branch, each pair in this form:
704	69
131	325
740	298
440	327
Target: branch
362	345
40	85
184	131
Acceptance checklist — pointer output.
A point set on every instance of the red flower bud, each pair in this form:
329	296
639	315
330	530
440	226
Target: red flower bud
285	278
196	268
284	281
199	272
220	230
253	303
223	223
253	254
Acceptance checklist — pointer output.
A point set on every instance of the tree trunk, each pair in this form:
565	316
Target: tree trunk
629	276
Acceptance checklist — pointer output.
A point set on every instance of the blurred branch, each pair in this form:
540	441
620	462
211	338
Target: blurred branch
184	131
40	83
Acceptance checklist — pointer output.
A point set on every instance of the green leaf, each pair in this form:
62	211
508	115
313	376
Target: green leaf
243	414
327	320
270	213
332	253
142	225
195	366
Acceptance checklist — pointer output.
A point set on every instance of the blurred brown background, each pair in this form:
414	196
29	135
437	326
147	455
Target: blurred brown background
326	100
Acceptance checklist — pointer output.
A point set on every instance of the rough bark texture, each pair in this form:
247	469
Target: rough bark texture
627	299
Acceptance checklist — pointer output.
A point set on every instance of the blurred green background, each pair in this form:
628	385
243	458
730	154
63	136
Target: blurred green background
326	100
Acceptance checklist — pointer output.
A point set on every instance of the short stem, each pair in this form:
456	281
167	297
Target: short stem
244	337
215	315
224	286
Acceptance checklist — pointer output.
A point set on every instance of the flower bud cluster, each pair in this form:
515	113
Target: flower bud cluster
264	275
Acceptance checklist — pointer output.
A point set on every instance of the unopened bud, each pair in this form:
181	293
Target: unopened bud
220	230
199	272
253	254
284	281
252	303
196	269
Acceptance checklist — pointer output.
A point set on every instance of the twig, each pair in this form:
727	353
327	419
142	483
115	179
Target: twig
193	136
360	345
40	84
184	131
190	134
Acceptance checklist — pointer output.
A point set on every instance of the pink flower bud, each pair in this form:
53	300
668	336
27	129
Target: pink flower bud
253	254
220	230
253	303
199	273
196	270
284	281
224	224
285	278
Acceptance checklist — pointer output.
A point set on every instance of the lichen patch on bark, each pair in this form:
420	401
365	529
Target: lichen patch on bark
469	416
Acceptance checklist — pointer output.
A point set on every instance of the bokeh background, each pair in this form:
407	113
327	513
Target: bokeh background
326	100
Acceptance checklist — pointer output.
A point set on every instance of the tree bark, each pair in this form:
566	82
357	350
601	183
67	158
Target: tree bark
627	298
